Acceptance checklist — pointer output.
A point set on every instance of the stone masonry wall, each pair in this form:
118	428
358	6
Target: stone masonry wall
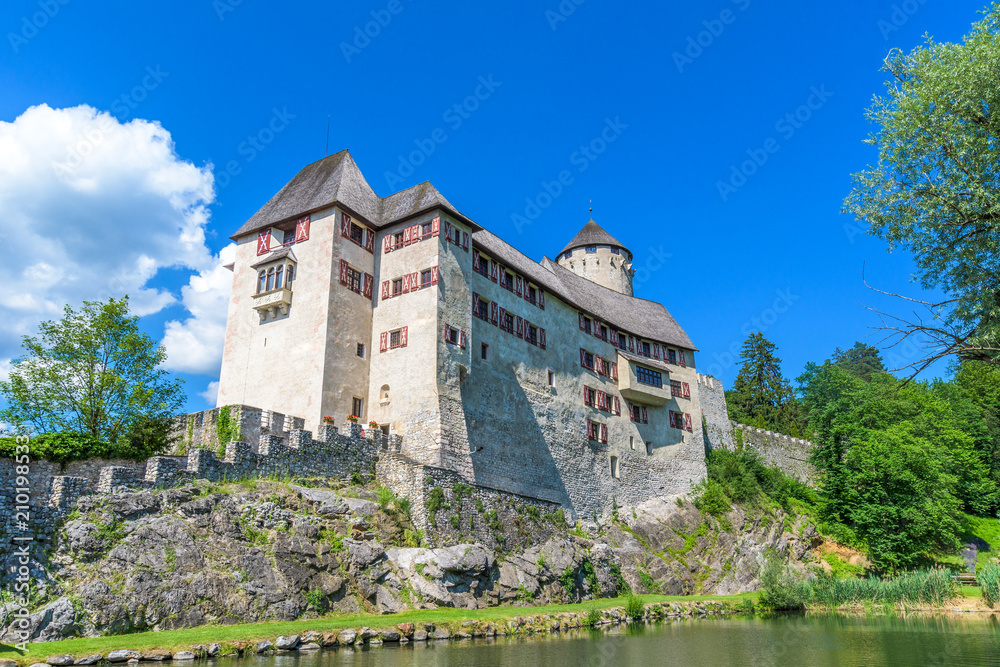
785	452
718	427
201	429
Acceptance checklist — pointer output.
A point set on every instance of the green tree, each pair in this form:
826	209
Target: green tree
760	393
934	188
861	361
92	372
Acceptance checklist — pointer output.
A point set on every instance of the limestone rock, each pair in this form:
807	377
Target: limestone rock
264	646
123	655
184	655
92	659
287	643
60	660
347	637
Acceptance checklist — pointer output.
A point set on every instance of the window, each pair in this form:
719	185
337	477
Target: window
675	388
289	274
532	294
383	394
631	442
587	359
531	335
605	368
481	265
279	275
394	338
261	281
482	309
589	396
452	336
593	430
604	332
425	278
485	352
358	236
397	286
568	255
672	356
397	240
426	229
508	323
591	249
622	341
508	281
649	449
357	407
353	280
614	467
648	377
270	279
645	349
586	325
634	413
361	350
552	379
615	251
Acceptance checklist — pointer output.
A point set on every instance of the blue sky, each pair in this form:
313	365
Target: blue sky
648	106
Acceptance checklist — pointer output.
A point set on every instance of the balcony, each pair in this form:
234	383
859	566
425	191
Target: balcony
273	303
644	381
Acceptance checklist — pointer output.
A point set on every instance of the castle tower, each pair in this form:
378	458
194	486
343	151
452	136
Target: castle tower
597	256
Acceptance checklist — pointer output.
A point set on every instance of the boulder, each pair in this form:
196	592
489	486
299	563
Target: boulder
347	637
156	655
54	621
184	655
441	633
405	629
390	636
123	655
419	635
8	663
60	660
311	646
264	646
213	650
288	643
361	507
92	659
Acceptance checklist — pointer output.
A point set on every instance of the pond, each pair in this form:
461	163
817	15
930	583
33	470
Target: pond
791	640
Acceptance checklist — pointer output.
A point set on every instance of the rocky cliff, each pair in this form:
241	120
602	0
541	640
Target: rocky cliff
266	550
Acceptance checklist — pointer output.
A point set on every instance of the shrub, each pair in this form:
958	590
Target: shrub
435	499
988	576
780	588
593	616
568	580
385	498
934	586
634	608
713	499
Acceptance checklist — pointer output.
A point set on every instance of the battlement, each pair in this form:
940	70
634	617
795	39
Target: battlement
780	450
212	429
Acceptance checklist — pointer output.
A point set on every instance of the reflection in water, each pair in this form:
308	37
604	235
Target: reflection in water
827	640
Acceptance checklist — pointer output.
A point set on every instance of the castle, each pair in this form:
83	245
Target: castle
547	380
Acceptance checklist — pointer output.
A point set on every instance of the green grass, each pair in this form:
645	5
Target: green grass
206	634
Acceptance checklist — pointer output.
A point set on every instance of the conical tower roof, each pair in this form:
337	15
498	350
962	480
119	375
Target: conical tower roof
593	234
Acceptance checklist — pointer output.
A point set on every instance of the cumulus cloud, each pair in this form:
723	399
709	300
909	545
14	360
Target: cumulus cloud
195	345
92	208
211	393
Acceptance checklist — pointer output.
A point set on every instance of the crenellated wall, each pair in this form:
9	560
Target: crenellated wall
782	451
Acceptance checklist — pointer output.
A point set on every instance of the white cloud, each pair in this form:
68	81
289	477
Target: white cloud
92	208
195	345
211	393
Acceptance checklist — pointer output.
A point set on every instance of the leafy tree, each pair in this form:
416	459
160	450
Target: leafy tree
761	395
934	188
92	372
861	361
975	396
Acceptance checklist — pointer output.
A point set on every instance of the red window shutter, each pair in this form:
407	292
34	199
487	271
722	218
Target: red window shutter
618	406
383	341
581	321
434	275
597	329
493	270
656	350
475	303
476	262
406	236
387	243
343	271
518	285
414	233
406	283
683	358
631	344
345	225
370	241
503	319
590	429
302	229
263	241
447	229
687	389
583	357
541	298
645	417
436	226
369	283
461	339
385	289
614	370
602	400
586	395
604	434
493	312
402	336
597	364
520	327
414	281
670	416
688	424
465	241
613	337
541	338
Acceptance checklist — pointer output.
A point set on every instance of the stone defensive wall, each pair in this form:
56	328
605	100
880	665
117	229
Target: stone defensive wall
53	489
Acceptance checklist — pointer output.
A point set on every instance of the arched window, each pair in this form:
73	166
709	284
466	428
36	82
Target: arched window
278	274
261	277
614	467
270	279
383	395
289	274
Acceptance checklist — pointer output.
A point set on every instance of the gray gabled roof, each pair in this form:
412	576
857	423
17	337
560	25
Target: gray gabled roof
274	256
336	178
640	317
592	234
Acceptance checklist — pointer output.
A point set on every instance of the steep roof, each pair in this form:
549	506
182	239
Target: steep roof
640	317
336	178
592	234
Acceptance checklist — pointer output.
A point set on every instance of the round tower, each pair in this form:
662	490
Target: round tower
597	256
